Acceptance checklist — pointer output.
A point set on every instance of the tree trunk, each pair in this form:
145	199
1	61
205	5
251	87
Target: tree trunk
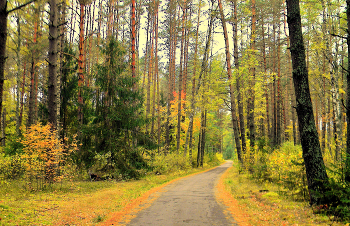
81	64
150	69
314	165
180	85
33	75
133	39
52	84
3	38
347	162
251	99
3	128
204	129
238	80
267	84
154	83
279	96
229	74
190	125
22	94
18	76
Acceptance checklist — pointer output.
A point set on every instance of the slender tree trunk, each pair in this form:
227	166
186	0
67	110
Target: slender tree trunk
199	152
150	70
238	79
157	78
154	83
18	76
314	165
279	96
190	126
52	84
3	38
33	75
329	131
251	93
347	162
81	64
204	129
180	85
133	39
266	88
3	128
229	74
22	94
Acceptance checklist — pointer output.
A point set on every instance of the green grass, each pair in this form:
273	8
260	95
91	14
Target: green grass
78	202
266	202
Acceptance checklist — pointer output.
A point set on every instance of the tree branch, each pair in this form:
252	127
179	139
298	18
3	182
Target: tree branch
339	36
69	55
342	101
21	6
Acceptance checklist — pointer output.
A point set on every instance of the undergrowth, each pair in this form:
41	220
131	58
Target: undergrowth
267	203
284	169
83	202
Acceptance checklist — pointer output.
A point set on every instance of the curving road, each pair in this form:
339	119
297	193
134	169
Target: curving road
189	201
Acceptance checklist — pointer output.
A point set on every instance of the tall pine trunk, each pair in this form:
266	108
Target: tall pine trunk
229	74
314	165
52	84
180	85
189	136
347	162
81	63
238	79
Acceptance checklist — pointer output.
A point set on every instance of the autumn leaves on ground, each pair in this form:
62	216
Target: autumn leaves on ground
110	202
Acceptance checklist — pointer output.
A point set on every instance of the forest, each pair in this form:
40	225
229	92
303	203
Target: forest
115	90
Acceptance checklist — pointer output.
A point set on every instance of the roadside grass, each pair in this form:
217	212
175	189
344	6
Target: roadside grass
76	203
266	204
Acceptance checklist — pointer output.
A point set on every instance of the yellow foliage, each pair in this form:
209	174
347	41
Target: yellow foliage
286	167
44	154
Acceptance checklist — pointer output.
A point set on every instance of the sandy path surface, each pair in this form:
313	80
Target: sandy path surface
189	201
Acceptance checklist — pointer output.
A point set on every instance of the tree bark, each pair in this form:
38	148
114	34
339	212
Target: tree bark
279	96
33	74
189	135
347	162
180	85
52	84
81	64
229	74
18	77
314	165
238	79
267	84
133	39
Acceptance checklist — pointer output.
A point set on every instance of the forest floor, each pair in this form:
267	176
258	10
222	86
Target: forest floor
253	203
104	202
80	202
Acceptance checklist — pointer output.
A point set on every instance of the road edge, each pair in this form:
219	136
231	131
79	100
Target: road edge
130	210
232	208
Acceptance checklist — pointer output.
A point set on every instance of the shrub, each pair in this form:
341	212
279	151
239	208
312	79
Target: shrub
337	198
11	167
163	164
44	156
286	167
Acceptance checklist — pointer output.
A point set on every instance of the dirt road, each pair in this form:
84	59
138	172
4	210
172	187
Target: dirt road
189	201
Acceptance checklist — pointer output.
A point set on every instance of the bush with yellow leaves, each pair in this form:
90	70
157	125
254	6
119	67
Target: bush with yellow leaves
44	156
